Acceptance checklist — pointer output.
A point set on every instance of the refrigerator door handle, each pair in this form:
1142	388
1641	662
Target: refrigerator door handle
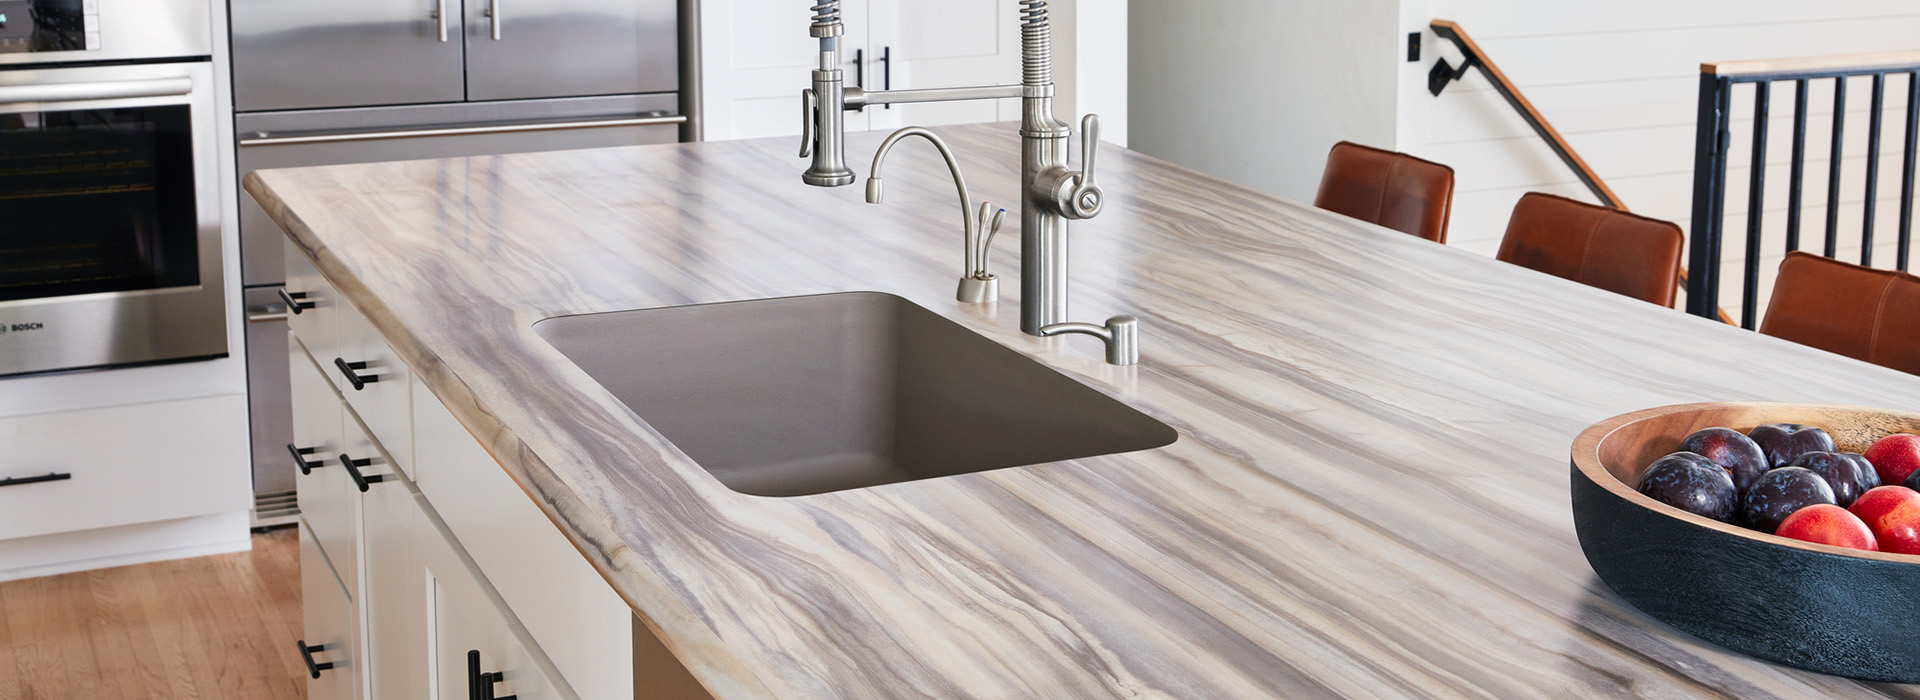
460	131
440	15
493	13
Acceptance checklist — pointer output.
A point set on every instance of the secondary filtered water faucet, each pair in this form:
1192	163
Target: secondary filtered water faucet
977	286
1052	192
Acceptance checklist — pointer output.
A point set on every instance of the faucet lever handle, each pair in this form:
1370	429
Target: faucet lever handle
1087	195
809	103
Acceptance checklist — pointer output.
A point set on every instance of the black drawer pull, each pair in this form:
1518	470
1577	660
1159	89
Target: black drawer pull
296	301
353	377
480	685
306	654
24	480
300	458
353	470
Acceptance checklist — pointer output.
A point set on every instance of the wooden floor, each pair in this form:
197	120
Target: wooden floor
207	628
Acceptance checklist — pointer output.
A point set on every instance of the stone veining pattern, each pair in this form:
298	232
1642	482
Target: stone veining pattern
1369	497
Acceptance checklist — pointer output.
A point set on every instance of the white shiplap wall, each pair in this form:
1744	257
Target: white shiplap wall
1620	80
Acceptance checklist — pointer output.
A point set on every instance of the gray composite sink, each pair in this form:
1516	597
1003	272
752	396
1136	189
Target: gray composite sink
803	395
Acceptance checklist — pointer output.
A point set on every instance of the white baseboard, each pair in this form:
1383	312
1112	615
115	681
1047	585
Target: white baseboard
66	552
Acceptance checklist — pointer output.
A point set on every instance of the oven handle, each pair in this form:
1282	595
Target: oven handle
460	131
104	90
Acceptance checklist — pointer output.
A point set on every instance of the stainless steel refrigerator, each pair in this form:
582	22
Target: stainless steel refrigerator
352	81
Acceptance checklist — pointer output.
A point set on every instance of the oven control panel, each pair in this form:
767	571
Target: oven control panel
41	26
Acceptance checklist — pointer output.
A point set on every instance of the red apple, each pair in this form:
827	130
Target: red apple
1893	514
1828	524
1895	456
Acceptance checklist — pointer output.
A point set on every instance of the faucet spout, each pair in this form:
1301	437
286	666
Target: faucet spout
976	285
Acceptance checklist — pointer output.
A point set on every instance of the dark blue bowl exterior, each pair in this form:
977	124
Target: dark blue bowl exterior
1841	615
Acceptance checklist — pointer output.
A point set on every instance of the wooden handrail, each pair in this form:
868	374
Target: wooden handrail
1836	63
1443	74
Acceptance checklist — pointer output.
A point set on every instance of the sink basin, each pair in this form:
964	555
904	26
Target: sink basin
803	395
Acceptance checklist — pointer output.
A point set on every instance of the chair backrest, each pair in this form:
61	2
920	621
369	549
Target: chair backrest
1860	312
1391	189
1597	246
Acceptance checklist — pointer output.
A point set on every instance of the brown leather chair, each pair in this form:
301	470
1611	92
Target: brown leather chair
1391	189
1597	246
1860	312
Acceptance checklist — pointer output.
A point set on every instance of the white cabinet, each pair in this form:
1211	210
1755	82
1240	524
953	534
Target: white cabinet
329	503
561	600
756	57
157	465
477	650
329	640
434	556
396	595
375	383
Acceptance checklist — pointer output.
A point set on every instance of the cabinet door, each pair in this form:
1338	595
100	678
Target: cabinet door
524	49
756	57
328	625
298	54
397	595
954	43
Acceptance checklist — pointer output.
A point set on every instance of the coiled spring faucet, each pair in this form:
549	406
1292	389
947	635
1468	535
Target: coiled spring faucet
1052	192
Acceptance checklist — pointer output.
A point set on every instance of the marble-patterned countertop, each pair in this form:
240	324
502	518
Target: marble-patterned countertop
1369	496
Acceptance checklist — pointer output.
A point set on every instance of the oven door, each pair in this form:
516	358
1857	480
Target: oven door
109	218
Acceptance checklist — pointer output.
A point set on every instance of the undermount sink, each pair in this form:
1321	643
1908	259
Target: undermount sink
802	395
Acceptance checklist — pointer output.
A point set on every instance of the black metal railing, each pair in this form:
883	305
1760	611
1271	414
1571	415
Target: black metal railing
1713	142
1444	74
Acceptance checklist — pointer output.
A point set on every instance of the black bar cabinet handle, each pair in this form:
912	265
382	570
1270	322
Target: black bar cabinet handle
348	369
886	72
306	654
480	684
300	458
353	470
43	478
295	301
859	68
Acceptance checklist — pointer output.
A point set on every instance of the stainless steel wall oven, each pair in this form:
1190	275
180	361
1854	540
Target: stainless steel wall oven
109	217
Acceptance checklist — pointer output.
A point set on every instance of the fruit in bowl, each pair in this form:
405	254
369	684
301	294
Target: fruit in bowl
1731	449
1778	494
1779	470
1784	442
1892	513
1692	483
1829	524
1840	473
1896	457
1814	594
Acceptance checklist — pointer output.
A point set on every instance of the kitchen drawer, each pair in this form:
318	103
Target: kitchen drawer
317	304
565	605
329	625
329	502
152	462
376	384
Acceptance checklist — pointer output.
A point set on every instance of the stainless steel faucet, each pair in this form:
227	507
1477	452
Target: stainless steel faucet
1052	192
977	286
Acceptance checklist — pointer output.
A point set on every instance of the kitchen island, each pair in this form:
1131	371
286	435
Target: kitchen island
1368	496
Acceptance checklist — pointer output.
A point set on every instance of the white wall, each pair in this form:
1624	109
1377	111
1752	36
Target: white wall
1090	64
1620	81
1257	91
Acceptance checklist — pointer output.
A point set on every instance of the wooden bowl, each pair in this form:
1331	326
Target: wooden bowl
1841	611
